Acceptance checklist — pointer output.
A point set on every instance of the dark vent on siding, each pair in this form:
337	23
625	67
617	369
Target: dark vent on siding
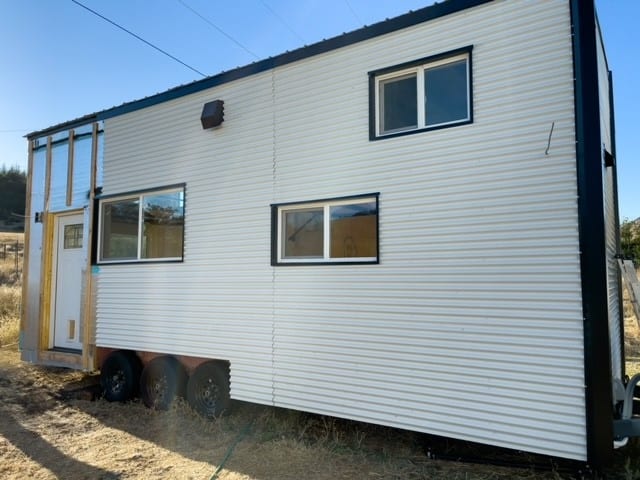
212	114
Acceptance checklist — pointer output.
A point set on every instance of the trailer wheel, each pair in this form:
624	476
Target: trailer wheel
162	380
120	376
208	389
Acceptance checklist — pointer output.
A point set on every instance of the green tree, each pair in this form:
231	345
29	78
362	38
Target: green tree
630	239
13	184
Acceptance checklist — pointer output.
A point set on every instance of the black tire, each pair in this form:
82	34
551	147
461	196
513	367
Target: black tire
120	376
162	380
208	389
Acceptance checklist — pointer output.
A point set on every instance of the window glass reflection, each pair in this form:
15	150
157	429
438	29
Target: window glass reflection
399	103
303	233
353	230
446	97
163	226
120	229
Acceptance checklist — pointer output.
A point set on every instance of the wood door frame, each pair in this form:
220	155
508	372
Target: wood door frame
52	270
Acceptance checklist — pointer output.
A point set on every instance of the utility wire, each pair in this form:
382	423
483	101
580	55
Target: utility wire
353	12
205	19
273	12
138	37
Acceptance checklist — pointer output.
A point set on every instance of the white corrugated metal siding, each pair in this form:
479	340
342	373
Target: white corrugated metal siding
218	303
611	219
470	326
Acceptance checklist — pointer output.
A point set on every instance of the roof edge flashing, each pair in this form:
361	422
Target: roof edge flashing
431	12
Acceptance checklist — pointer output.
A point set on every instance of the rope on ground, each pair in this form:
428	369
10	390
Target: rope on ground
243	433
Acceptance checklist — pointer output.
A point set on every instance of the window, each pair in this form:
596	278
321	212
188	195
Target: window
73	236
326	231
422	95
142	226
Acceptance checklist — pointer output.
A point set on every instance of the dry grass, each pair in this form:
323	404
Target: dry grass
48	435
631	336
9	314
47	432
10	287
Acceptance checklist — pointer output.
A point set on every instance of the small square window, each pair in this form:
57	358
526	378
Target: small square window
327	231
73	236
430	93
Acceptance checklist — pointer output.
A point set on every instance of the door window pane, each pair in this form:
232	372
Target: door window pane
303	233
163	225
73	236
399	109
353	230
120	229
446	93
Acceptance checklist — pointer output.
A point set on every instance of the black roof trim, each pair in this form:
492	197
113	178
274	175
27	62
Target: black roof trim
446	7
77	122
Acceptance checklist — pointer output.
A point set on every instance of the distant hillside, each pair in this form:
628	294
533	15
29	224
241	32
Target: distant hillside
12	198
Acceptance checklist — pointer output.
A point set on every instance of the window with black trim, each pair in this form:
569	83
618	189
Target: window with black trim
343	230
429	93
142	226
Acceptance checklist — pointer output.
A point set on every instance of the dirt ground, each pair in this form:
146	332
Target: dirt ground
51	428
54	426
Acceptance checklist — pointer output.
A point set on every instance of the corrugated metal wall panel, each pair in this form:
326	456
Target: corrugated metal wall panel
217	303
470	326
611	217
472	321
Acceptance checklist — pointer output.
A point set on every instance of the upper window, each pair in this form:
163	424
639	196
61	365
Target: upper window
142	226
326	231
421	95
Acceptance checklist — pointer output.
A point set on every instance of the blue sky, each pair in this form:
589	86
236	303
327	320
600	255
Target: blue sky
59	62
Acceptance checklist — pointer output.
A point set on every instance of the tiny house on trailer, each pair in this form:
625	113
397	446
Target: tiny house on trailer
413	224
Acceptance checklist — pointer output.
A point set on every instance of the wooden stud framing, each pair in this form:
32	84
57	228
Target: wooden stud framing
27	235
45	273
88	331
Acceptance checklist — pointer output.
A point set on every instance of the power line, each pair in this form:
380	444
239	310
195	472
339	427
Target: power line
273	12
138	37
202	17
353	12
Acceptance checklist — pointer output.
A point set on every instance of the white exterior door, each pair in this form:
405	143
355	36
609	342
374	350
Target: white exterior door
69	262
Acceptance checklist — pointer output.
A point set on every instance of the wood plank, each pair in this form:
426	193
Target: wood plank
630	278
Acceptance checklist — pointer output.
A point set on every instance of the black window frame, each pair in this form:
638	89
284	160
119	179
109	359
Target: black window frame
278	208
401	69
135	194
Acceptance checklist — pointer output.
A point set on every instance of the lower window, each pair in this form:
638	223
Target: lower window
341	230
142	226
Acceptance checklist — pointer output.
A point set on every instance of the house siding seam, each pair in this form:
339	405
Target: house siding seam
471	326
